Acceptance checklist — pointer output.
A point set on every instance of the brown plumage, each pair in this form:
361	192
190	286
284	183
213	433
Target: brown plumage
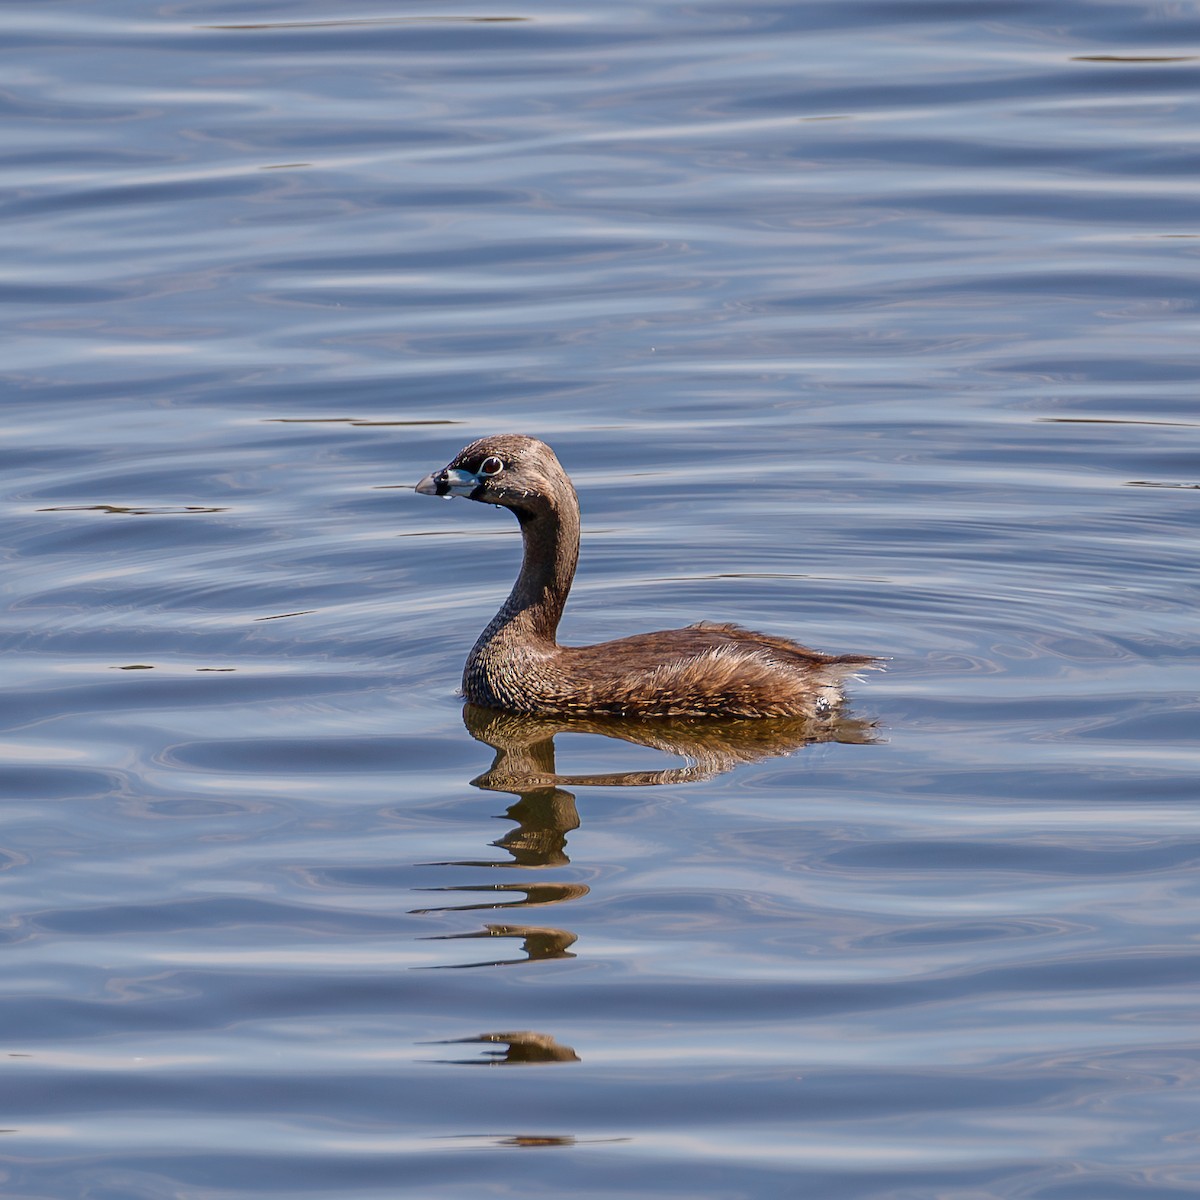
704	670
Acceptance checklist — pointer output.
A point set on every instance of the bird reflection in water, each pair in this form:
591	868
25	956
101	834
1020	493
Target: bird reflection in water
524	745
537	942
531	1141
521	1049
545	812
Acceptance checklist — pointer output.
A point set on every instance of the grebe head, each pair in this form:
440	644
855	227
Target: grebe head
511	470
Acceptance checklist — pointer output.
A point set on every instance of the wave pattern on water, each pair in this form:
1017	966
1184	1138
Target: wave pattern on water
871	323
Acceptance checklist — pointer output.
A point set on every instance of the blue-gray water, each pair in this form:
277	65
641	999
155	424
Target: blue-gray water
871	324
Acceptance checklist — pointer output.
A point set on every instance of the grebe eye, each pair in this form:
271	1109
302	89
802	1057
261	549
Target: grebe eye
490	466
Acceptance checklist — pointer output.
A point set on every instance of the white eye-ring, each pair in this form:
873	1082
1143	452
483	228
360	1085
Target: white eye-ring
490	466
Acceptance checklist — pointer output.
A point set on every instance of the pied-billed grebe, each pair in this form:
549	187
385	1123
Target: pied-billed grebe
704	670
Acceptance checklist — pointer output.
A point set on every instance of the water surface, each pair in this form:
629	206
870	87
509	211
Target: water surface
870	324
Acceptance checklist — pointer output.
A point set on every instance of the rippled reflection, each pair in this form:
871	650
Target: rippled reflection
546	813
524	746
538	944
534	893
533	1141
518	1049
544	816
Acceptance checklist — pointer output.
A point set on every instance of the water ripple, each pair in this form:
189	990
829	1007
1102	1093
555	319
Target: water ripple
862	322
